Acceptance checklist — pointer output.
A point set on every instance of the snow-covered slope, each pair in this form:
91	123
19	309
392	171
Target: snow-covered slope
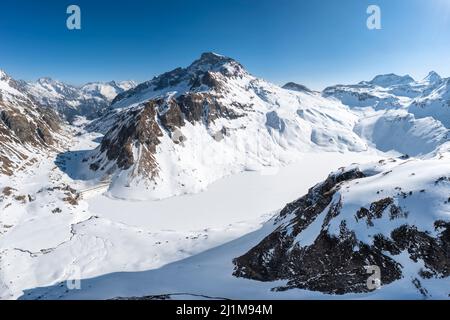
392	214
402	132
27	131
189	127
435	103
70	101
54	227
398	113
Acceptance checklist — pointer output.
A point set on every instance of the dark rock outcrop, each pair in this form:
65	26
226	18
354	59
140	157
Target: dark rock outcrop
330	264
296	87
135	127
335	262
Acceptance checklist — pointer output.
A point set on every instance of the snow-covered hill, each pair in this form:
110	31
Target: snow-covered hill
70	101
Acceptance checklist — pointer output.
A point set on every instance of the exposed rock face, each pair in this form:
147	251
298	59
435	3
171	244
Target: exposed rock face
420	245
143	126
171	117
330	265
135	128
34	131
296	87
323	242
206	108
25	129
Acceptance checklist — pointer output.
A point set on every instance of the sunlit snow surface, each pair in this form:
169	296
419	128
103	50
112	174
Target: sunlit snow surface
103	235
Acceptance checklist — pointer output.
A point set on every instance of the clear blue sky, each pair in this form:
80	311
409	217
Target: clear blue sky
314	42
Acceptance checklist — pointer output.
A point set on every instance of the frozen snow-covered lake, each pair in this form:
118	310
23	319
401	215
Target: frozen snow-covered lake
234	199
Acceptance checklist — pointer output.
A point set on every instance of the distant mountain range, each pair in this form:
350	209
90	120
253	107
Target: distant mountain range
70	101
89	100
426	98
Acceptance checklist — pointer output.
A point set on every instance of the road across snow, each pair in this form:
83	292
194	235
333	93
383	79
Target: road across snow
98	189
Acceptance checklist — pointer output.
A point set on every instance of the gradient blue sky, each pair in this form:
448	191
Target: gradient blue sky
314	42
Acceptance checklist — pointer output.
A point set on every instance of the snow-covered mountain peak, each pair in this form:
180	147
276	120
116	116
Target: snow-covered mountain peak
10	89
46	80
26	128
424	98
391	79
123	85
208	72
55	86
211	58
3	75
434	102
296	87
214	62
193	126
433	78
127	85
106	90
